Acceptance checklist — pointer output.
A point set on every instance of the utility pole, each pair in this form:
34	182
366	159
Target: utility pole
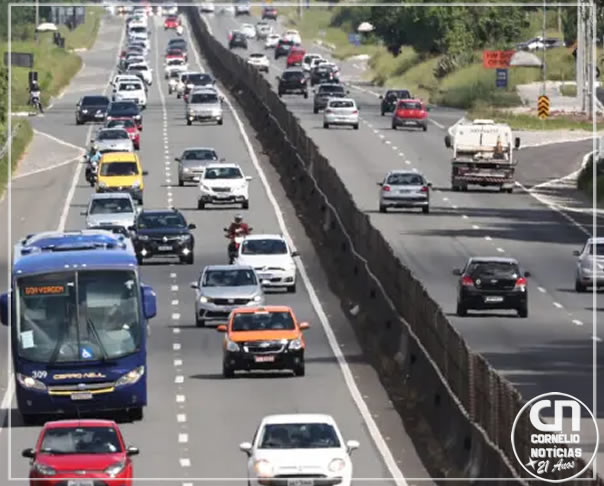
543	42
580	64
590	58
37	13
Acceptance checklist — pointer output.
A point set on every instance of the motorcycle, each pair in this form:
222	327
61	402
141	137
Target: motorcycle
34	100
236	240
91	170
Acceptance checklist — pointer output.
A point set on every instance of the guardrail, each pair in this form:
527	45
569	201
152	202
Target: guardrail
420	357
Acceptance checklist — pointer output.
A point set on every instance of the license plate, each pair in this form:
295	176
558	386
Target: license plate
264	359
404	191
164	248
493	299
262	276
79	482
196	178
99	115
300	482
223	196
81	396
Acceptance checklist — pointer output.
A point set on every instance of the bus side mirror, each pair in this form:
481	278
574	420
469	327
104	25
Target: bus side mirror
149	302
4	308
448	141
517	142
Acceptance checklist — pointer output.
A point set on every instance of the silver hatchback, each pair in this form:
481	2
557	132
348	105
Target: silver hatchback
592	255
222	288
204	105
404	189
193	162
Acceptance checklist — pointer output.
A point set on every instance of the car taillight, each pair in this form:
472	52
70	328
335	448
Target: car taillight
467	281
303	81
386	188
424	189
400	113
355	112
520	283
236	246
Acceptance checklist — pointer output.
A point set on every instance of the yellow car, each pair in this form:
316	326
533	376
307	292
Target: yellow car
121	172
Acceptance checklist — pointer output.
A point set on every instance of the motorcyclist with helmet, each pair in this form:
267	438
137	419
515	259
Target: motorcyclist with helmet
34	96
94	156
237	228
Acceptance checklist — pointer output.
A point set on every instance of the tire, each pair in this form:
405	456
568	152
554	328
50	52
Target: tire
393	126
315	110
461	310
510	190
383	208
306	95
455	188
325	125
91	184
300	370
140	201
135	414
227	372
280	94
189	122
425	128
245	205
383	113
291	289
139	259
220	122
178	95
355	126
78	121
426	209
579	287
523	311
200	322
180	182
201	205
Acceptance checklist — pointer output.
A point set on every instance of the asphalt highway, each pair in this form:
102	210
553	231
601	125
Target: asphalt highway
551	350
195	419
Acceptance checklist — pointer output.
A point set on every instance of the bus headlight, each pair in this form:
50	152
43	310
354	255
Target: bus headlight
44	470
30	383
116	468
131	377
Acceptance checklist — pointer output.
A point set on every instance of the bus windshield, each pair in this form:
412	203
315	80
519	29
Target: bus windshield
80	316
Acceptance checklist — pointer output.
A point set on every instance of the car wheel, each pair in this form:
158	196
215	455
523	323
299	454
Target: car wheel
227	372
523	311
455	188
140	201
201	205
220	121
200	322
245	205
280	94
461	310
579	287
383	113
305	94
315	110
300	370
139	259
426	209
78	121
393	126
135	414
383	208
189	122
180	182
291	289
510	190
91	184
325	125
425	127
355	126
178	95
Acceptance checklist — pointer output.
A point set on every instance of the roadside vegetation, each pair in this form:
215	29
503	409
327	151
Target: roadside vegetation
585	181
23	135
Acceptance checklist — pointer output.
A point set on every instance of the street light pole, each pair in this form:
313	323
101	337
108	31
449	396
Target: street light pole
543	43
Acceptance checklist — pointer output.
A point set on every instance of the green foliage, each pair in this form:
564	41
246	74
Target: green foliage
569	22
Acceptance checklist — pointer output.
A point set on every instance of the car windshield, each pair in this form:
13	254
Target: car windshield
223	173
175	62
72	316
264	247
95	101
596	249
110	206
161	220
405	180
130	86
121	124
204	98
80	440
341	104
113	135
484	270
393	95
229	278
293	75
331	90
199	79
118	169
123	108
263	321
200	154
299	436
138	67
257	56
409	105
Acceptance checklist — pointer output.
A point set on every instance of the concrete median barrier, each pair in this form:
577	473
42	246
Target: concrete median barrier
458	410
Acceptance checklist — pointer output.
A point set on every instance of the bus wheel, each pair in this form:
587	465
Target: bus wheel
30	419
135	414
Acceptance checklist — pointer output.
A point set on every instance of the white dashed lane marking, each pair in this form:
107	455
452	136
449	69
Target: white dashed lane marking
558	305
176	346
181	418
174	288
184	462
175	316
488	238
175	302
183	438
176	330
178	362
577	322
541	289
179	379
500	250
180	398
475	226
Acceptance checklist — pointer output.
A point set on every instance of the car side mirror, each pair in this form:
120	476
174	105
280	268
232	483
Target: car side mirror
4	308
145	172
246	447
380	183
149	302
428	108
381	97
295	253
448	141
221	328
192	226
304	325
84	213
132	451
29	453
194	285
131	228
527	274
517	142
177	159
248	178
429	184
576	253
352	445
457	272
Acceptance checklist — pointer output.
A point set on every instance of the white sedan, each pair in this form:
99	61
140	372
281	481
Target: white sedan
341	111
259	61
271	41
223	184
248	30
309	445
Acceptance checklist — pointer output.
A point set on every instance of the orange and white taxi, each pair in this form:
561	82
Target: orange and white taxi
259	338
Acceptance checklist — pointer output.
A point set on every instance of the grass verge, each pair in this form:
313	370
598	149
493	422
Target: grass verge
84	35
526	121
20	141
585	181
568	90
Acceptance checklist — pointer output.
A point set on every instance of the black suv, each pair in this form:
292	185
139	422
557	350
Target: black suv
283	48
238	39
126	109
492	283
91	108
325	92
292	81
323	74
163	232
390	99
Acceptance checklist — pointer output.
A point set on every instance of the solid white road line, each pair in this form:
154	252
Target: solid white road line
52	167
372	427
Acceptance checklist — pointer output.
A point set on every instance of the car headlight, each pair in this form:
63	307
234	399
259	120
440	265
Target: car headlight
232	346
184	237
257	298
186	169
116	468
44	469
205	188
102	184
204	300
30	383
137	117
263	468
336	465
143	237
131	377
295	344
190	85
136	184
84	110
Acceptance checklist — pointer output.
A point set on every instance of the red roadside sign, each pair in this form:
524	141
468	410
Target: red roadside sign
497	59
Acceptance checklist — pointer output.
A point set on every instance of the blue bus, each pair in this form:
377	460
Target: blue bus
78	318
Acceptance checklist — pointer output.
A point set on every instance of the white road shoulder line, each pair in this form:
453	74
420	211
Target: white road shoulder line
46	169
58	140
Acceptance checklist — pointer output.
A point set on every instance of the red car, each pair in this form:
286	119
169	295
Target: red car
175	54
82	452
410	113
171	22
128	125
295	56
